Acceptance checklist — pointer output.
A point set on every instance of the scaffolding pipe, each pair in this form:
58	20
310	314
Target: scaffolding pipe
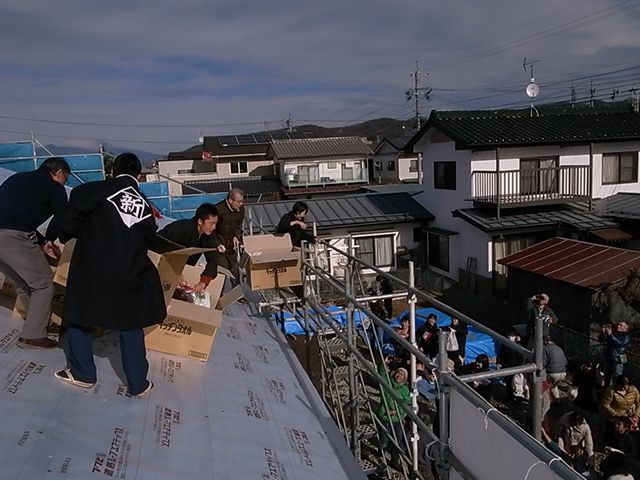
415	436
443	404
503	372
538	378
351	341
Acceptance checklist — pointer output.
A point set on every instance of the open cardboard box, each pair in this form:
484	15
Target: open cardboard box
271	261
189	330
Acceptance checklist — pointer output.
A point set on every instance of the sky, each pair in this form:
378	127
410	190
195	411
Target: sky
156	74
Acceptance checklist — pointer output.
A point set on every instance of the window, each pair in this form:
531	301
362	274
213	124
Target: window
376	251
413	165
185	171
619	168
438	251
391	166
444	175
239	167
417	234
332	165
538	175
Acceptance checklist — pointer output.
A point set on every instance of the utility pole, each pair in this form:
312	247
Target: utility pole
592	92
289	124
635	99
573	96
614	94
416	92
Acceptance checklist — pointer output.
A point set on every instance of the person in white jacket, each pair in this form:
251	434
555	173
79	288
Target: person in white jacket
575	440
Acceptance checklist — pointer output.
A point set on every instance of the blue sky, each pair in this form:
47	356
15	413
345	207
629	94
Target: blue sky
154	74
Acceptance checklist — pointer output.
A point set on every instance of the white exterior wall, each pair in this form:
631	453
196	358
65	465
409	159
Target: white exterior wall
403	170
334	174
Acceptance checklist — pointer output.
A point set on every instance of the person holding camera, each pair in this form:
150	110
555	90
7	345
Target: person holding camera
616	340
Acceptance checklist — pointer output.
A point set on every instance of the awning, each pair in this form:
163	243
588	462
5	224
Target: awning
440	231
611	234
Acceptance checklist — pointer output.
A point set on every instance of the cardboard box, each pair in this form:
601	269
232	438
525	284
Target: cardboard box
271	262
189	330
62	270
7	287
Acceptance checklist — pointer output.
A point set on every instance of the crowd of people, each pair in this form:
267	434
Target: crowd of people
591	412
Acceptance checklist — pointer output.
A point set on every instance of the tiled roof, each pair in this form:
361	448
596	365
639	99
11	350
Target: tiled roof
578	263
490	129
249	144
191	153
351	210
572	216
321	148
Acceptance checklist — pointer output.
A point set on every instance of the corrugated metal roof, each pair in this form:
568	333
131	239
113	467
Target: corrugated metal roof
490	129
570	216
321	147
353	210
623	205
578	263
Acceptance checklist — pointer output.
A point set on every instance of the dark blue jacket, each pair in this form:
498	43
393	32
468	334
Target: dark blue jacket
27	199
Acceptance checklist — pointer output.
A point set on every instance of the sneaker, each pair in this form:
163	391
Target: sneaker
144	392
66	376
37	343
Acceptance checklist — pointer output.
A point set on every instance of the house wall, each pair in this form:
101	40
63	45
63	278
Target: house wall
404	169
471	241
386	154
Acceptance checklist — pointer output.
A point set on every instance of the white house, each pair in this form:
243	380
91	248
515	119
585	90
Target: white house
498	182
392	163
382	226
316	166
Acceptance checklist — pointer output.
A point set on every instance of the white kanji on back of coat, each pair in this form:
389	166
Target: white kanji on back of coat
130	205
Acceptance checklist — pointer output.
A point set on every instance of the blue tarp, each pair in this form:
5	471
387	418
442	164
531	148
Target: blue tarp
16	150
294	327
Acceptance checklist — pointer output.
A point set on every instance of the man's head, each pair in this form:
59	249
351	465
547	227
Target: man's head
432	319
546	340
299	210
206	218
58	168
622	327
575	419
541	299
621	383
127	164
235	198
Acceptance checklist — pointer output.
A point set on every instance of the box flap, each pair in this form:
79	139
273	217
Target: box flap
225	272
230	297
194	313
275	257
254	244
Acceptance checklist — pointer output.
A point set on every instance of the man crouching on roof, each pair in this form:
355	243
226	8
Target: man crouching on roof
194	232
112	283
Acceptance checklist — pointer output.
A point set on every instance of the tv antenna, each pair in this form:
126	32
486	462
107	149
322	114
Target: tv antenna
289	124
532	89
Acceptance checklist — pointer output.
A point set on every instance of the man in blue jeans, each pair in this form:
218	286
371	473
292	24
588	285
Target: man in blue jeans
112	283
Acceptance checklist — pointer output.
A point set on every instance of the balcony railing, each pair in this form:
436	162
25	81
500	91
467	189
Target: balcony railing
294	180
534	186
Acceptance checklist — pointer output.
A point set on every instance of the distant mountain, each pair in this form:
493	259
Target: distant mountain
147	158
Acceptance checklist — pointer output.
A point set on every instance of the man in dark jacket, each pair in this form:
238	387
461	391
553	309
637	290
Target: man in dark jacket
26	200
112	283
293	223
194	232
229	230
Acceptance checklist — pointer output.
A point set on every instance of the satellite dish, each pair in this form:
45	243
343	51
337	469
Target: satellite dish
533	90
201	139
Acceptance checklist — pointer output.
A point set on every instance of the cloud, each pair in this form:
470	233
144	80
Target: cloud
224	63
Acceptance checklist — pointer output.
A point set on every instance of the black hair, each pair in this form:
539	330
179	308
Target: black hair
621	381
432	315
127	164
54	164
299	207
576	418
205	211
483	359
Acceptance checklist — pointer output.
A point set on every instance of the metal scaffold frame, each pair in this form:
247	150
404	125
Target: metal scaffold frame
349	378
